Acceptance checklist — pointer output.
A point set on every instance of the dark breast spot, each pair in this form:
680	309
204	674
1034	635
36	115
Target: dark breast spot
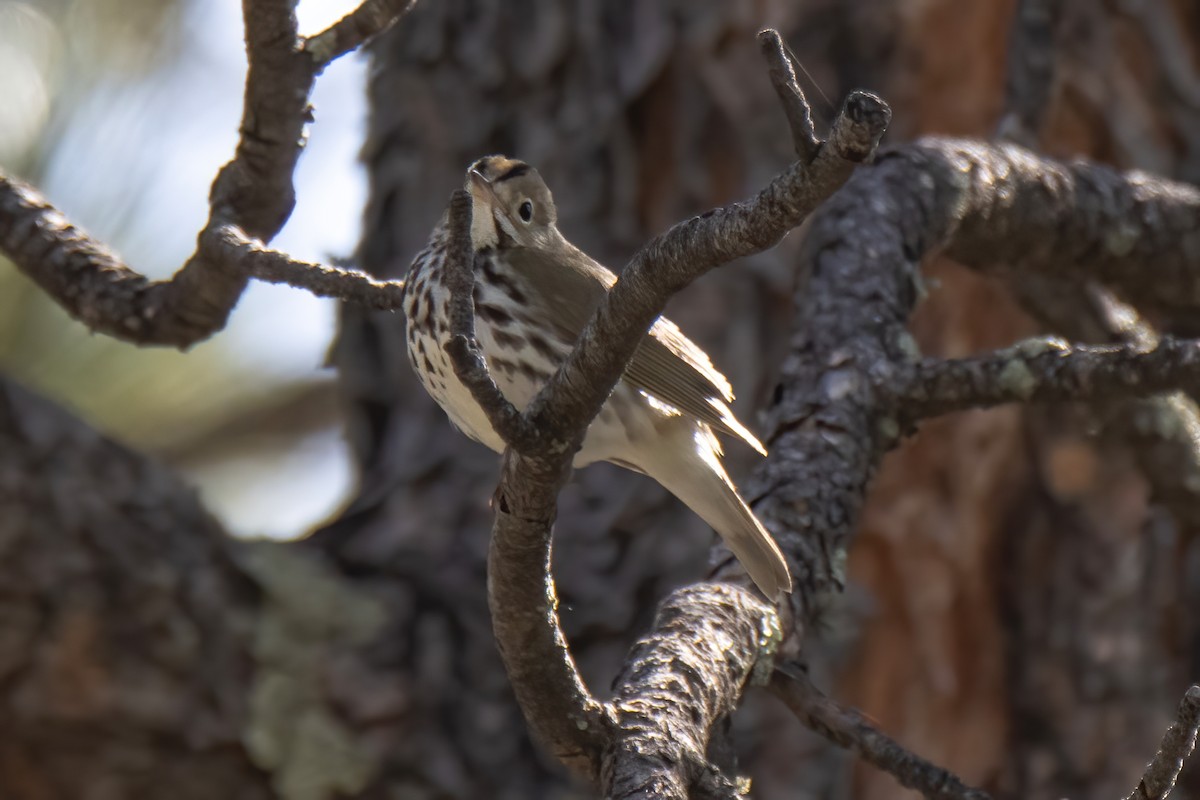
495	275
543	348
493	314
488	267
511	341
533	373
501	364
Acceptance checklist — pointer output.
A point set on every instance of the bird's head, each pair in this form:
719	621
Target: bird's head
511	206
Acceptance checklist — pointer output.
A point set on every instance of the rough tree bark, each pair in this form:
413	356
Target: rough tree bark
1016	611
946	617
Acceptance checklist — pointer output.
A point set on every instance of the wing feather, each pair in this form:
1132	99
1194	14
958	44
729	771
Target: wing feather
667	365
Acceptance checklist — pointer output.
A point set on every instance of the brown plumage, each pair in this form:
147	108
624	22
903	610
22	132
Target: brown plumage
534	294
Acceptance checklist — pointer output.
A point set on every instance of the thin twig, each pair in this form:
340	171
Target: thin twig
355	29
1162	433
1177	744
848	728
463	349
780	68
274	266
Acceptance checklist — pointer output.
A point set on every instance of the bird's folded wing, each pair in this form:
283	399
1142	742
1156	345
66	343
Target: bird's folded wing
667	365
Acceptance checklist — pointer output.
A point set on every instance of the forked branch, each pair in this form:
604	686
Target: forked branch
251	199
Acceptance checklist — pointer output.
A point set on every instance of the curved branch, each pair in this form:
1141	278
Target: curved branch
560	710
234	247
709	641
463	349
989	207
352	31
672	260
1177	744
252	193
1042	370
556	703
781	66
848	728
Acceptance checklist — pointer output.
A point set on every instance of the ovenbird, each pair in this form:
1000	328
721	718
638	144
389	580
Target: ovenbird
534	292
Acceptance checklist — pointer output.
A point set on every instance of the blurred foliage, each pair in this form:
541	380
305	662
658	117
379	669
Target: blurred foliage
66	69
53	52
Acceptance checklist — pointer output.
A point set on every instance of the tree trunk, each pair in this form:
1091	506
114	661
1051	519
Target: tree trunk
1016	610
1019	604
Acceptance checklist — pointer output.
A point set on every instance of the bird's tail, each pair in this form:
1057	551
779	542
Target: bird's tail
696	476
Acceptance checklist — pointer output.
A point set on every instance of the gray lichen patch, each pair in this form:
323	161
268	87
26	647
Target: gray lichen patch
292	731
1017	378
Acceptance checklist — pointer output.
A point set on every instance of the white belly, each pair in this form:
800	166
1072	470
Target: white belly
520	372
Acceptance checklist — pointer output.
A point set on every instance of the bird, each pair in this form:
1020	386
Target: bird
534	293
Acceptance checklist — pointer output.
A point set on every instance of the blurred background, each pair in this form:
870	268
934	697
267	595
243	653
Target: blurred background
1023	581
121	112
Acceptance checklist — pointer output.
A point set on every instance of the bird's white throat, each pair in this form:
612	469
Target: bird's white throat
483	224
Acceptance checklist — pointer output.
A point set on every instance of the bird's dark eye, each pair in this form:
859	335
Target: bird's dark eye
526	211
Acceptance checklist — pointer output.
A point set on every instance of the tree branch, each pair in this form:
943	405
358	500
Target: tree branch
848	728
987	207
672	260
781	62
253	193
557	705
1163	432
666	698
355	29
1042	370
1177	744
1030	76
1024	213
833	420
232	246
463	349
560	710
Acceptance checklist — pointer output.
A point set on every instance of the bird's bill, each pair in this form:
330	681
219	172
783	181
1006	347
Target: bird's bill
481	188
